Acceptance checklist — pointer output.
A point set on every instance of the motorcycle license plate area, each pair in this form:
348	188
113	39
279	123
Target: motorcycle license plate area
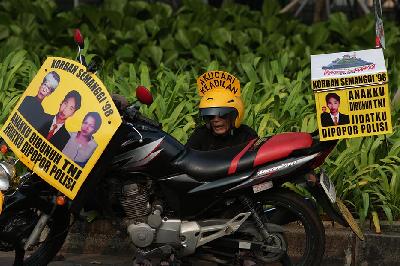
328	187
330	191
62	124
346	214
262	187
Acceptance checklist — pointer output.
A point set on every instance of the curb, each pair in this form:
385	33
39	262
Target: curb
342	246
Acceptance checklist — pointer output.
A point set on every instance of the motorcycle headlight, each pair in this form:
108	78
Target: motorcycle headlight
7	172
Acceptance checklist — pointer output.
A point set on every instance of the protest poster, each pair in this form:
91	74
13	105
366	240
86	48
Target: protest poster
351	94
62	124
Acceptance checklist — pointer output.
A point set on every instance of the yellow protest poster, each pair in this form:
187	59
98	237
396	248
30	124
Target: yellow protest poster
351	94
62	124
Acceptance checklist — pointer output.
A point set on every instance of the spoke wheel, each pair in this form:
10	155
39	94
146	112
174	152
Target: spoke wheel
304	235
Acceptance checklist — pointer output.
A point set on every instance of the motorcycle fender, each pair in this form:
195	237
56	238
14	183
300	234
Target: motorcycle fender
323	200
19	200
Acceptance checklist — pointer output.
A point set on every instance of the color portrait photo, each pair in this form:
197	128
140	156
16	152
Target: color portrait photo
333	112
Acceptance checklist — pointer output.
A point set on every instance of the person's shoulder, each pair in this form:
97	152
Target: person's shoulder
198	136
201	130
345	118
28	100
344	115
92	144
48	117
247	129
325	114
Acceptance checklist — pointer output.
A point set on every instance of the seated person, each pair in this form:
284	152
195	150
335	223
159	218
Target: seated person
222	112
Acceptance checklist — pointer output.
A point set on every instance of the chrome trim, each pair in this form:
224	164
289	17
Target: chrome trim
8	168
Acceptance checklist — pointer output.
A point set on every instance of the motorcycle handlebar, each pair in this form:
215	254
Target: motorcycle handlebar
146	120
134	114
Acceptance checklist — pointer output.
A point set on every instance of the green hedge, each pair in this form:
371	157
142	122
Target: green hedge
166	50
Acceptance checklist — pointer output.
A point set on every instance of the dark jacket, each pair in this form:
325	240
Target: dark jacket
326	119
32	110
60	138
204	140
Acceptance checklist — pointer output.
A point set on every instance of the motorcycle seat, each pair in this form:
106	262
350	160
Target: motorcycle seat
280	146
211	165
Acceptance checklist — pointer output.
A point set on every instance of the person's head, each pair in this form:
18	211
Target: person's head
221	110
333	102
49	84
70	104
91	123
323	109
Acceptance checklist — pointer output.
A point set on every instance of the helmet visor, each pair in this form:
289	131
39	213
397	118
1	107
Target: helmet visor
223	112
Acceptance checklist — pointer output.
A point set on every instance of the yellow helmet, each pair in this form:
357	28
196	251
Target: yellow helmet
221	102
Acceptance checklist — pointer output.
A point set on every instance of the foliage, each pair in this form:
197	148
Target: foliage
164	49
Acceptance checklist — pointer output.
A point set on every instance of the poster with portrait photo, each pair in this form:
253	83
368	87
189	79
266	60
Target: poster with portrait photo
353	112
351	94
62	124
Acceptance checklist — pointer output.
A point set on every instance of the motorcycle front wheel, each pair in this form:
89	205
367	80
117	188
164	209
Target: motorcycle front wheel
304	234
20	223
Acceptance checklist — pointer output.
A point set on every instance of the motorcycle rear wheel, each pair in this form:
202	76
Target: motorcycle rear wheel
294	214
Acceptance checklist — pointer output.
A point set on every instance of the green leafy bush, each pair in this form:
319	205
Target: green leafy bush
166	50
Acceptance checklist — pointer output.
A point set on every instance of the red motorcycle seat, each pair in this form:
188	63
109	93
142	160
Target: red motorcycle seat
211	165
281	145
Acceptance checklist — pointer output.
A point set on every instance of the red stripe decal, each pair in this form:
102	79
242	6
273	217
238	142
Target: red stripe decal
235	161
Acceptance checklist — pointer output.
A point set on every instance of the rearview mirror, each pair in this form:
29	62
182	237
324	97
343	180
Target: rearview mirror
78	38
144	95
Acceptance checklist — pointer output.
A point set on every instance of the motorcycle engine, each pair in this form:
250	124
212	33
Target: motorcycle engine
134	198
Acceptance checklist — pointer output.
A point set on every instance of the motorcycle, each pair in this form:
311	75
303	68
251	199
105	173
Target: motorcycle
231	203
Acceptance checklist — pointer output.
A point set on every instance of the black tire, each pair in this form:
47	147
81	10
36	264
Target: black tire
58	231
21	223
291	208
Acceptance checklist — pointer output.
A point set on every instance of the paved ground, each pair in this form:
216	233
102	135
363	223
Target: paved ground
77	260
69	259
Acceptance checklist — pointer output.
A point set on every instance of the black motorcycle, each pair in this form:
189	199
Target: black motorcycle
232	203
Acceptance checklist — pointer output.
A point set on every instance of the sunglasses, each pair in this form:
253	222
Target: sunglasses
210	117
